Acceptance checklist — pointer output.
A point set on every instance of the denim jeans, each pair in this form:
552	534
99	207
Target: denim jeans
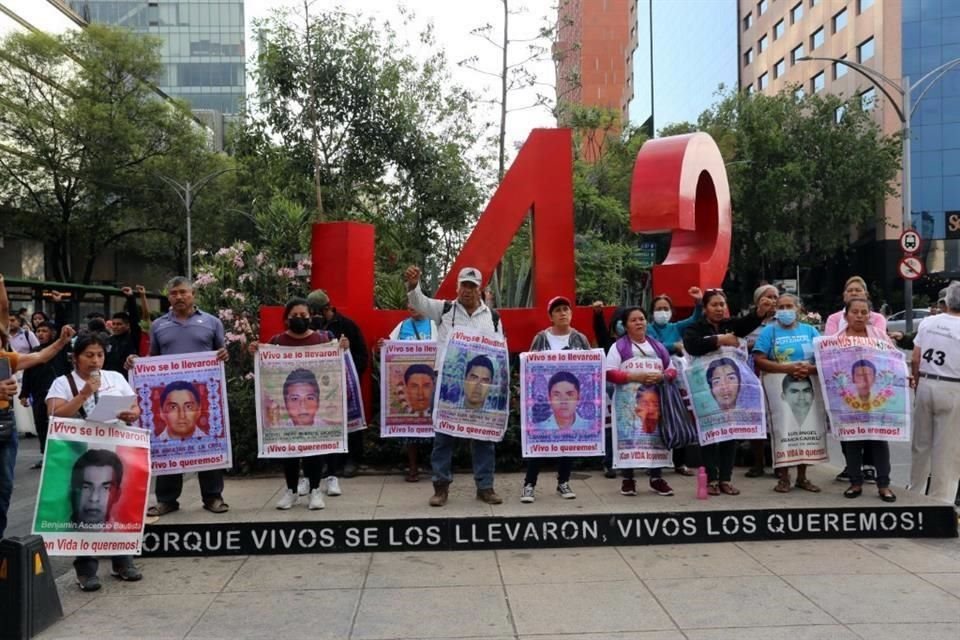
8	461
482	452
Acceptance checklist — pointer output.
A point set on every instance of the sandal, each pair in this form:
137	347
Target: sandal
162	509
713	489
754	472
783	485
217	505
886	495
729	489
806	485
854	491
685	471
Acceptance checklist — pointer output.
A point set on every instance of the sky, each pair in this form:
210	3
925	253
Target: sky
453	21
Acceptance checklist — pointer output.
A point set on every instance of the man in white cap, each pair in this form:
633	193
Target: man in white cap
468	310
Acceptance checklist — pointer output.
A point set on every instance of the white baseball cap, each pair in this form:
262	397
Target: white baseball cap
470	274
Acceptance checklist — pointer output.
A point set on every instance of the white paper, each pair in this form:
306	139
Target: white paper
109	406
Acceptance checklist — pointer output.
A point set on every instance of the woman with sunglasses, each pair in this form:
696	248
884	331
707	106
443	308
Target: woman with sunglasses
713	331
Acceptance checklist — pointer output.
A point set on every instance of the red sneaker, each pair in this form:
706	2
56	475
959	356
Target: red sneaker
660	487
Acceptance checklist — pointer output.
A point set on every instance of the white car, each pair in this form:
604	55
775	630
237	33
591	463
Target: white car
897	321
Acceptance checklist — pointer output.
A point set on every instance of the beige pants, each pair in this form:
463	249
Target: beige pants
936	439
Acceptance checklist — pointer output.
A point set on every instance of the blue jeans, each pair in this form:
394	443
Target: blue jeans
482	452
8	461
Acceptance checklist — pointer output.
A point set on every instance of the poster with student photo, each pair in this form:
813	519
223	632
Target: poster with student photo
407	385
798	420
561	408
726	396
866	386
473	392
636	420
183	404
93	488
301	400
356	418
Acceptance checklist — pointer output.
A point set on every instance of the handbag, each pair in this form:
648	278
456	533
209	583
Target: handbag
677	426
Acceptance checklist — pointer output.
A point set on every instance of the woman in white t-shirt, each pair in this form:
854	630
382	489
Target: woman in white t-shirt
936	412
75	395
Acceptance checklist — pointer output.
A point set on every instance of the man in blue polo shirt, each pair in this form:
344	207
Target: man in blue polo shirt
186	329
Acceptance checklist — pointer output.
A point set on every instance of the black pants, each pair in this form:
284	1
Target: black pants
564	467
312	469
679	457
865	452
86	566
718	459
628	474
42	422
608	448
170	487
879	450
354	454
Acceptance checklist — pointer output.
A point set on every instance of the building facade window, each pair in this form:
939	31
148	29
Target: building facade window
838	114
761	7
796	53
747	21
863	5
840	21
780	68
749	89
839	70
817	39
865	50
748	57
762	82
796	14
818	82
814	3
799	94
778	30
762	44
868	99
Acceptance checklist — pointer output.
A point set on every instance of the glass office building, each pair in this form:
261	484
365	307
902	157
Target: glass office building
203	50
931	37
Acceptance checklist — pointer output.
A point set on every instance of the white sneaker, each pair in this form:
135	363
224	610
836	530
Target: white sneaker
287	500
565	492
316	500
528	494
333	486
303	487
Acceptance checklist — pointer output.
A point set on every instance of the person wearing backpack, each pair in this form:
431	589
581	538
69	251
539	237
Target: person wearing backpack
468	311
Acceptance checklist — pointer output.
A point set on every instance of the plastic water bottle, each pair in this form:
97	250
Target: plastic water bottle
702	483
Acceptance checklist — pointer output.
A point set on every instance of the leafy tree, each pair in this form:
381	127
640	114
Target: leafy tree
83	132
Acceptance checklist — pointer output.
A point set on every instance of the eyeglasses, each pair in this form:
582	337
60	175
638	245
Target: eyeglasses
713	291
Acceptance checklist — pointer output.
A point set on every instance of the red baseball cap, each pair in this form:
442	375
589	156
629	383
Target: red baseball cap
556	302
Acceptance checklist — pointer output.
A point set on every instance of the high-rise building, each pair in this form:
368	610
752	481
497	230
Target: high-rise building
203	52
899	40
693	46
595	44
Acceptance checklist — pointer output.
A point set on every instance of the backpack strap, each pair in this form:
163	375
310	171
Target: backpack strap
73	389
448	304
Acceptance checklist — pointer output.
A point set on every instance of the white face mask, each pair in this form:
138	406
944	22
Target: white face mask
662	317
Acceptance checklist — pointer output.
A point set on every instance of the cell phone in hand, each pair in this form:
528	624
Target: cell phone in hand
5	371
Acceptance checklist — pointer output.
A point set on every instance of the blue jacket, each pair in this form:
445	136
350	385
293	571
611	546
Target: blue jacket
672	332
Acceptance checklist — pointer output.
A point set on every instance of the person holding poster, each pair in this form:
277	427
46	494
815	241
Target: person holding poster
563	393
301	403
468	311
670	335
706	337
758	448
936	377
634	364
784	353
75	395
863	374
185	329
419	382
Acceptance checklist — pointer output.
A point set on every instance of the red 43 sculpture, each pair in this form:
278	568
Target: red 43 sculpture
679	186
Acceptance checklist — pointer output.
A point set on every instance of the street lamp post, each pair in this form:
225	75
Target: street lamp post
905	113
186	192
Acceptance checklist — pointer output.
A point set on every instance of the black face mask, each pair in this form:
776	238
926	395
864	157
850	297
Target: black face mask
316	323
299	325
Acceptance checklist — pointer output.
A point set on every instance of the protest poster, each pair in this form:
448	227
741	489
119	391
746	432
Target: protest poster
93	488
301	400
474	387
865	386
726	395
407	386
183	404
356	418
562	402
798	420
636	420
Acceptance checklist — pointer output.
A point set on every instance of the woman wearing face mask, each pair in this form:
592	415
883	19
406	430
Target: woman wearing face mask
670	335
299	334
786	346
857	324
758	447
606	335
716	330
856	289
